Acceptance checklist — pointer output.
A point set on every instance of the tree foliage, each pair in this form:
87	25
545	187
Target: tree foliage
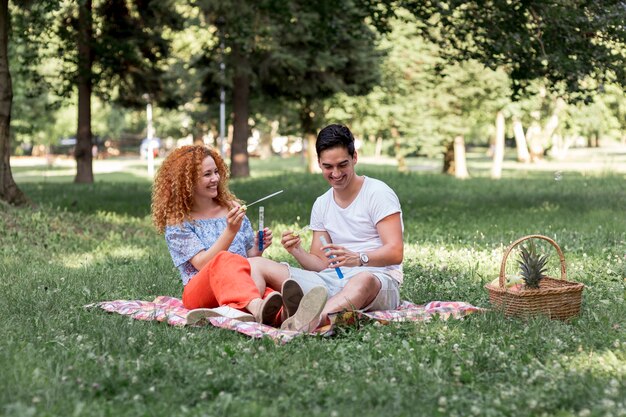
562	41
424	101
321	49
299	51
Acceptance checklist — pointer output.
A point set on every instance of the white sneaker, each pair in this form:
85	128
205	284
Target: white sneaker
196	315
308	315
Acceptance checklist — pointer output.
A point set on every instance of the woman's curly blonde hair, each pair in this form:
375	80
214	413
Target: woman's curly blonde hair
175	182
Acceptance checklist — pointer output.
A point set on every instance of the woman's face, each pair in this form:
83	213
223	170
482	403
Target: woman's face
209	179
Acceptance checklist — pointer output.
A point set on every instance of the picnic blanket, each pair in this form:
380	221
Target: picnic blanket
171	310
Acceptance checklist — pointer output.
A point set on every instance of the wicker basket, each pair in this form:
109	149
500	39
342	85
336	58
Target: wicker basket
557	298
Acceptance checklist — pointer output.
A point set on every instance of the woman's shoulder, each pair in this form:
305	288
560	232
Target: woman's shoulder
190	225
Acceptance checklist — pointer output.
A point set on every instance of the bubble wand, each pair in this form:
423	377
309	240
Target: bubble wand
261	226
337	269
299	232
245	206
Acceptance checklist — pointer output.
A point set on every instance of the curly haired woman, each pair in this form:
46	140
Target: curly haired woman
212	243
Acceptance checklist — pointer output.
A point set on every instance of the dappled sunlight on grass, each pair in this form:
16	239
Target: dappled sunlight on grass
473	261
77	260
601	363
88	259
28	170
122	219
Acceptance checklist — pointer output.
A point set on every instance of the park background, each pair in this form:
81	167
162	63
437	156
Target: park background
491	121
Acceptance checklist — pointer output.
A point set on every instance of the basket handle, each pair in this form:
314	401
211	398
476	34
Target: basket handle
520	240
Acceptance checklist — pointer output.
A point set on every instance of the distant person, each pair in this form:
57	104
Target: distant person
361	219
210	240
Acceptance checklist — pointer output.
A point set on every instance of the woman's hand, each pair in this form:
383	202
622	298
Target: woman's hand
267	241
234	219
267	237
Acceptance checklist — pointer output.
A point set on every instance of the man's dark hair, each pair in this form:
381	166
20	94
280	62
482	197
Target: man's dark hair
333	136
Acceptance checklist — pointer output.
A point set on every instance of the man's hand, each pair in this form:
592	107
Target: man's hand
290	241
342	256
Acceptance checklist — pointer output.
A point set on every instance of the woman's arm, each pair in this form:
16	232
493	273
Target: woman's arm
234	219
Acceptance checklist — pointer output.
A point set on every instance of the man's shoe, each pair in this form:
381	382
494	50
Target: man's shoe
292	295
196	315
308	315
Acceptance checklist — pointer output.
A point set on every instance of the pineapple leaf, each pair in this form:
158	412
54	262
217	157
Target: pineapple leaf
532	265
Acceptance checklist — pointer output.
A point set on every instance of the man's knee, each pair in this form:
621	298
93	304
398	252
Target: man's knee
366	283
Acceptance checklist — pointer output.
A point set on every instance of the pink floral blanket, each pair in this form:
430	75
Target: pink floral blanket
171	310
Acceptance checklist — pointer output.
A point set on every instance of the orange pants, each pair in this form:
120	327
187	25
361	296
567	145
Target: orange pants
225	280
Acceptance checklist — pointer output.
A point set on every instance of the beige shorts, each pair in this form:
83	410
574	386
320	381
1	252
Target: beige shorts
388	298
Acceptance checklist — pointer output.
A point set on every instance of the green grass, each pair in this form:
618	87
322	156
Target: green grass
88	243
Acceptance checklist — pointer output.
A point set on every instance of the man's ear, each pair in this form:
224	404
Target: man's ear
355	157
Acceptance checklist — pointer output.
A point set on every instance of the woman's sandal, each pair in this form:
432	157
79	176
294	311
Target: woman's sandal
269	308
199	314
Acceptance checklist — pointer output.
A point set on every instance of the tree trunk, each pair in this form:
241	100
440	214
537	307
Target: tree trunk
551	125
9	191
267	138
311	154
460	171
307	122
520	142
397	150
539	140
82	153
378	151
239	165
533	135
498	151
593	141
448	159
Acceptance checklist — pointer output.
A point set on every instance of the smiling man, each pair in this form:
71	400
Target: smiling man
361	218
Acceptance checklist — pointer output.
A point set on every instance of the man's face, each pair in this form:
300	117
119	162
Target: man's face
337	167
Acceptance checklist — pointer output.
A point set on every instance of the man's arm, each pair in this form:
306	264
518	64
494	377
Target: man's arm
314	260
390	253
392	250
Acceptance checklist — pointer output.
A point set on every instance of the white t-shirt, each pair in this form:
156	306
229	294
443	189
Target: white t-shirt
354	227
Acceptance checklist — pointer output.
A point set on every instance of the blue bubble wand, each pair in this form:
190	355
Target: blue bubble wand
261	226
337	269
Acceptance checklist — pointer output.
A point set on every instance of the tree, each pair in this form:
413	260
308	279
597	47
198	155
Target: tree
8	188
33	104
296	51
320	49
563	41
242	29
30	26
424	104
122	62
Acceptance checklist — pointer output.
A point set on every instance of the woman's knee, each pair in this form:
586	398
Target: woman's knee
267	266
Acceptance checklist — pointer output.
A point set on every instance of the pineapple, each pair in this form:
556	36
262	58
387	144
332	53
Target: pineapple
532	265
